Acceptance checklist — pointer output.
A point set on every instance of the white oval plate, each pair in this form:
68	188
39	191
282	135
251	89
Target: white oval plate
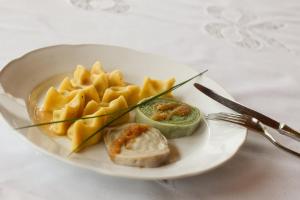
210	146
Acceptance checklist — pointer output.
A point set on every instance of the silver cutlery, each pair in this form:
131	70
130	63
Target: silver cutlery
250	122
280	127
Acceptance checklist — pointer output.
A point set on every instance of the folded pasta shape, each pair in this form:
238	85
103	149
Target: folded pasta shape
71	110
152	87
82	129
115	78
97	68
55	100
92	106
67	105
115	108
81	76
130	92
66	85
100	81
90	93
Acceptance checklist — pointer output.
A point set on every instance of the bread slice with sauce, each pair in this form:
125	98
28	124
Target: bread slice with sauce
147	149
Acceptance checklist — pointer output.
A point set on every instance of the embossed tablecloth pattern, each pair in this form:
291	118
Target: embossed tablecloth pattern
251	48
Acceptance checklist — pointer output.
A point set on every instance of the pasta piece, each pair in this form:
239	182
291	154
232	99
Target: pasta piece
91	93
55	100
130	92
82	129
115	78
66	85
81	76
100	81
91	107
116	107
71	110
97	68
152	87
118	104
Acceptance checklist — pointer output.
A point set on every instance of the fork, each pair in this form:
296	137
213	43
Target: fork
250	122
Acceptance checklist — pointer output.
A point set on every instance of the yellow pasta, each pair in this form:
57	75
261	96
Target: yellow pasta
66	85
115	78
91	93
81	76
97	68
55	100
100	81
130	92
91	107
71	110
94	92
82	129
116	107
152	87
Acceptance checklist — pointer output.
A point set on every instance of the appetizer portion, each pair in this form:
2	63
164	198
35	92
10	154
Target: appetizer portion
173	118
138	145
93	104
97	95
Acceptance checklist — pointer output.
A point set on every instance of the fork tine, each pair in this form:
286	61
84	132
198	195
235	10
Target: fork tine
222	116
236	120
240	119
240	122
230	116
235	115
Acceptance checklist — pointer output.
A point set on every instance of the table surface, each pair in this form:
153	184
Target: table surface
250	47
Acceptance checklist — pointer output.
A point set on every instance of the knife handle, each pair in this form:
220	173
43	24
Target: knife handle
288	131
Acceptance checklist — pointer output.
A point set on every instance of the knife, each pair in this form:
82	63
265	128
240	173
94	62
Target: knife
280	127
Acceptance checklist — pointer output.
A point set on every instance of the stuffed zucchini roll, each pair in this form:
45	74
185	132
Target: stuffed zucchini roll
173	118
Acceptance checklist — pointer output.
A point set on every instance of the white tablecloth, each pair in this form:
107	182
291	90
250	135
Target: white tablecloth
251	47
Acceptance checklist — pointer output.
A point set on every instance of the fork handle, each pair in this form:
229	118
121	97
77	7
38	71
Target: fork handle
267	135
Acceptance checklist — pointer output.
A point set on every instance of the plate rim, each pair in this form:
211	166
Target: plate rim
82	166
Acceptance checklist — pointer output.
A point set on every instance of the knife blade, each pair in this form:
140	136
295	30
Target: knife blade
280	127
